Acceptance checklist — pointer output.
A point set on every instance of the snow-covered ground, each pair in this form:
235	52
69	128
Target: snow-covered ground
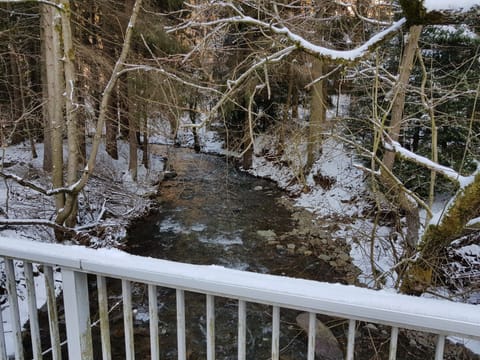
109	200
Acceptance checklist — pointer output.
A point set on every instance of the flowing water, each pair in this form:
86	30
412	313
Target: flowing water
211	213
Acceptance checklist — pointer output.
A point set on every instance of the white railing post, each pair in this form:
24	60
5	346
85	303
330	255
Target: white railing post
210	324
103	315
3	350
275	332
351	339
393	344
32	311
52	313
128	319
181	341
14	311
153	312
77	314
312	329
440	347
242	329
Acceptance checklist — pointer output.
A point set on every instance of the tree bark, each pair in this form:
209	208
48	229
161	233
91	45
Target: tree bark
400	91
318	111
55	100
421	274
46	108
68	212
392	190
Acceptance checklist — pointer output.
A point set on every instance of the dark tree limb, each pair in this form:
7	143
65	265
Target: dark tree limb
42	222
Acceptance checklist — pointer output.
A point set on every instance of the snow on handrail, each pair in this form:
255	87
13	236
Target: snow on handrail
385	307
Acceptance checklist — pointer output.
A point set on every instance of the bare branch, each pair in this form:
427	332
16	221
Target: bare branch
19	180
41	222
299	41
46	2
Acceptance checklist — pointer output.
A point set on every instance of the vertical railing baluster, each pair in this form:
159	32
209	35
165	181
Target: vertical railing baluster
52	313
275	332
181	340
77	314
103	315
393	343
153	316
3	349
312	329
128	319
351	339
242	329
32	310
440	347
14	312
210	322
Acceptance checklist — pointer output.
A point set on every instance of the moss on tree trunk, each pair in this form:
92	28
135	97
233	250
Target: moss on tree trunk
436	238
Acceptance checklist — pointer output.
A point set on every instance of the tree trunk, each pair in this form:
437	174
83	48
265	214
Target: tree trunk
111	127
145	147
400	91
392	190
133	146
318	112
55	100
16	136
46	108
421	274
68	212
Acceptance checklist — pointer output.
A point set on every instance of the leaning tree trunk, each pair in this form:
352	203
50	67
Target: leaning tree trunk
422	273
393	191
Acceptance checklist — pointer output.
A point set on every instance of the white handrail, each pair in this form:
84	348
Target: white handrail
437	316
431	315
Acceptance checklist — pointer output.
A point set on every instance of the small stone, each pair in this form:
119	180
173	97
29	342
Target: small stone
273	242
302	249
344	257
258	188
340	263
308	252
291	246
280	247
267	234
324	257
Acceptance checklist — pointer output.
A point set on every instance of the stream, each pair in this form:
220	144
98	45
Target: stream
212	213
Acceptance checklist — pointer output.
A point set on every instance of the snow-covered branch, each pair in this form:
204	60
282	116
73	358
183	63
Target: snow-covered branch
429	164
21	181
299	41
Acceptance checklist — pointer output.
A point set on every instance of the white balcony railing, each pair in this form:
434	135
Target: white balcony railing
75	263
